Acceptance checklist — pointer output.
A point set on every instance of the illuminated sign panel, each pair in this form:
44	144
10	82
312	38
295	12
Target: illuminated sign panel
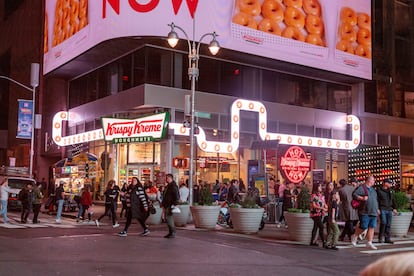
144	129
295	164
214	146
335	35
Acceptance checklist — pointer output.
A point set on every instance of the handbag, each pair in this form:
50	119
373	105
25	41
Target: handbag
152	209
355	203
175	210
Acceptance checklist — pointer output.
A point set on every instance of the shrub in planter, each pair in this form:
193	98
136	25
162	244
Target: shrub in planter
299	222
205	213
246	216
401	222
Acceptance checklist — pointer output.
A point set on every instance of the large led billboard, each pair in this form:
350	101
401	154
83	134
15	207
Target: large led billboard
332	35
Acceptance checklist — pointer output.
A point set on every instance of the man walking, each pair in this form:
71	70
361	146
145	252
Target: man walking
171	197
347	213
26	198
368	211
4	196
387	208
60	196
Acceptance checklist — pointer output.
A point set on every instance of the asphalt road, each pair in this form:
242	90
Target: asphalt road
83	249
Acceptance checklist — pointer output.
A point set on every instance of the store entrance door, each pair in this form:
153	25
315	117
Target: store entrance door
142	172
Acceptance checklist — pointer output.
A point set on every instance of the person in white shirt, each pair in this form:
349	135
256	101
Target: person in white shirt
184	192
4	196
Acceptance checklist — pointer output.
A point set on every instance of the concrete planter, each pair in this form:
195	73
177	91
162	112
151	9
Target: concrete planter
400	224
205	216
246	220
299	226
182	218
155	219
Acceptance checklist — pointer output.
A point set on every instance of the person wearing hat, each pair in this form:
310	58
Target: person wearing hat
346	212
60	196
387	208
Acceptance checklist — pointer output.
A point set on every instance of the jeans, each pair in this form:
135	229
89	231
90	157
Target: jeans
36	210
59	210
385	226
4	210
80	212
317	225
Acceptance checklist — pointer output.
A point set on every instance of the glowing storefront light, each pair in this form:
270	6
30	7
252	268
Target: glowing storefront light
226	147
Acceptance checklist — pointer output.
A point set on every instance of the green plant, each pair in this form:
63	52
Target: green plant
401	201
249	202
206	197
303	201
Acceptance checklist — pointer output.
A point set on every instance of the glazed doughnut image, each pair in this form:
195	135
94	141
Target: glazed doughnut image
364	37
250	7
347	32
315	39
293	33
245	20
269	26
294	18
293	3
45	35
364	21
312	7
345	46
348	16
363	51
314	24
273	10
70	17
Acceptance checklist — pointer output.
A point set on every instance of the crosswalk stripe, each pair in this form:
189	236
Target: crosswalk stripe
390	250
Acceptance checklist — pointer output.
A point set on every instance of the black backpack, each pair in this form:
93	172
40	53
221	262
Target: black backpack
21	195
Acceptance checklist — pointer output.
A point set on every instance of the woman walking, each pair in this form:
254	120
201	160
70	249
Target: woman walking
137	207
318	209
110	195
86	202
123	199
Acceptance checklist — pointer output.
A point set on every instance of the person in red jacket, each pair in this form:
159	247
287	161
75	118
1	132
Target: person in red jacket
86	202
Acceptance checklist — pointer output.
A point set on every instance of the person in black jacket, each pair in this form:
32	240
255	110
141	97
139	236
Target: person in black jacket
171	197
387	208
137	207
26	198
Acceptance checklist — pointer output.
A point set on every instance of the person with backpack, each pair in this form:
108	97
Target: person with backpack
26	198
37	201
111	193
137	207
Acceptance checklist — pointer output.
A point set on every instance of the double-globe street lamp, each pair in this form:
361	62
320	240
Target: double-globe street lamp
34	82
193	72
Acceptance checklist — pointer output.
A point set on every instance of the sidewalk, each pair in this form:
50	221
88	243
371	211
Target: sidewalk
270	232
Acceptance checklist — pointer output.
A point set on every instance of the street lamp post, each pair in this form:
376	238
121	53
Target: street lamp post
193	72
34	82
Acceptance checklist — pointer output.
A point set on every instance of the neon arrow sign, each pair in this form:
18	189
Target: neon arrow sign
226	147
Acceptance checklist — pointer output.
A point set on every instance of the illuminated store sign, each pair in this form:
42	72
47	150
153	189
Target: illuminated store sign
225	147
295	164
144	129
332	35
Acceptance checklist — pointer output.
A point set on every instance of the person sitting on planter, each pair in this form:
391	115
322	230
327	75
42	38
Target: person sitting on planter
223	191
233	192
184	192
387	208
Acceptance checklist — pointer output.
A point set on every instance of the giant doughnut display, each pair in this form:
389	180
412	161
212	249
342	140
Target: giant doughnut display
354	33
299	20
70	17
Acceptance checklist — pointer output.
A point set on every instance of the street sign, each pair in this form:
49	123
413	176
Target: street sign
204	115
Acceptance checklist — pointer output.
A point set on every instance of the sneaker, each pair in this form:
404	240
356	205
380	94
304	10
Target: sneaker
145	233
354	240
97	223
363	235
333	247
115	225
58	221
389	241
122	234
369	244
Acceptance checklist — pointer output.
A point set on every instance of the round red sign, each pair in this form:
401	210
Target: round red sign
295	164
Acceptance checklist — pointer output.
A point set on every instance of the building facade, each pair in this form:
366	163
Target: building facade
131	72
